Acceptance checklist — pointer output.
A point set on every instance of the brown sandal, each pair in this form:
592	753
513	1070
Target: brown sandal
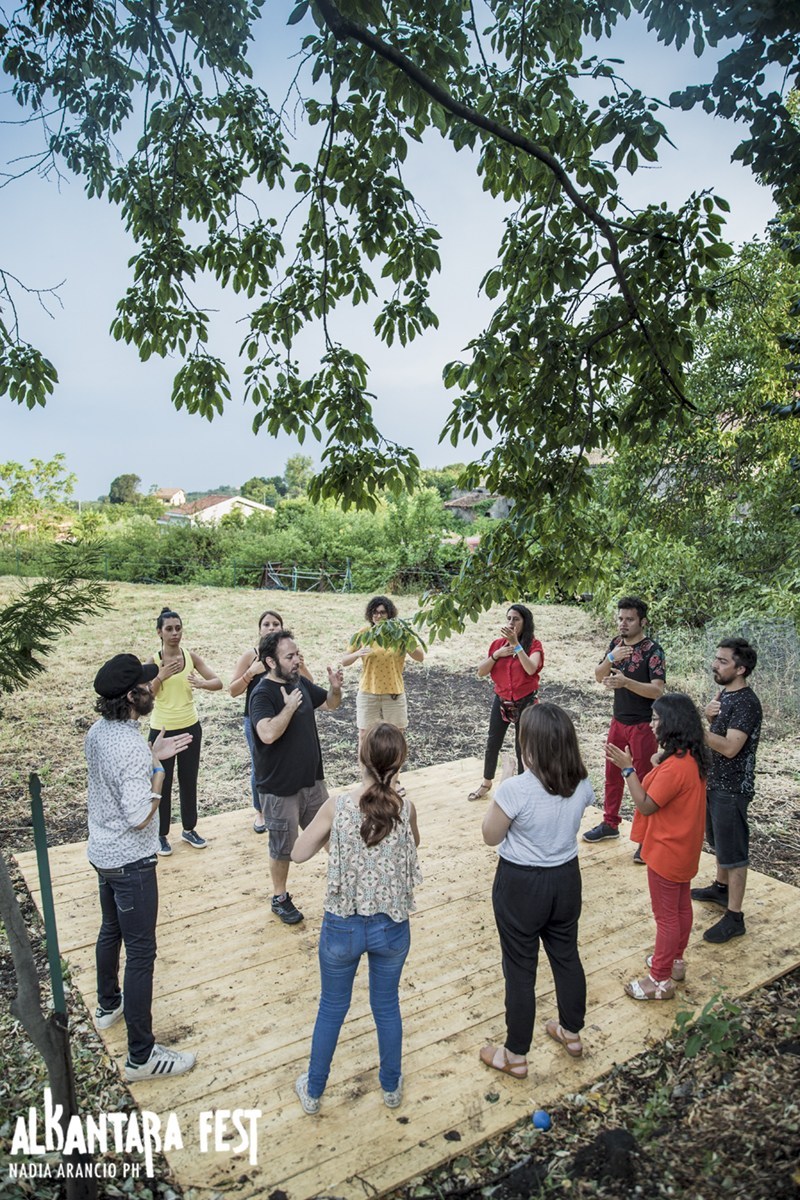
517	1070
572	1045
482	790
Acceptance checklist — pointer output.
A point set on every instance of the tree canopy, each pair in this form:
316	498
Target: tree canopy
596	305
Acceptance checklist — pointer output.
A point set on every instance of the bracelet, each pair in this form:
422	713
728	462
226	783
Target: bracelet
492	657
155	795
155	771
626	771
610	658
516	649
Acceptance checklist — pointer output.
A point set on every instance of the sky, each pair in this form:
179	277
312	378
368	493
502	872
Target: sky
111	414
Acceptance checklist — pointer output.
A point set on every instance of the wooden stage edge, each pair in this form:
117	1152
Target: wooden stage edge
240	989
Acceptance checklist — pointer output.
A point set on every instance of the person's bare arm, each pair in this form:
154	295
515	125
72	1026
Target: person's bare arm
650	690
315	836
728	746
269	729
623	760
495	825
412	820
245	670
202	676
335	680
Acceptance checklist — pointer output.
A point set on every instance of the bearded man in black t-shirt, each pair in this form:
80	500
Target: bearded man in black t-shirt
734	718
633	668
288	759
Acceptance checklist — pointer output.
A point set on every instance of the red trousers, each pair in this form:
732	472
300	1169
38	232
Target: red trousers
642	744
672	909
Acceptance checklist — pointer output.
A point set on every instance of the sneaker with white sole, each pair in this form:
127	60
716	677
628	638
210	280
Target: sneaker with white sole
310	1103
193	838
161	1063
104	1018
601	833
164	848
394	1099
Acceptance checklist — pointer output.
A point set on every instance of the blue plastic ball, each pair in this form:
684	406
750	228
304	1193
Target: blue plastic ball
541	1119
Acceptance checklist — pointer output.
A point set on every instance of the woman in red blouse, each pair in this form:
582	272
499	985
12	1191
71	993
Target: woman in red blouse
514	662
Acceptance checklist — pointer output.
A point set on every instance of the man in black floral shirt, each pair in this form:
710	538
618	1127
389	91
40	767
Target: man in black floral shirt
633	668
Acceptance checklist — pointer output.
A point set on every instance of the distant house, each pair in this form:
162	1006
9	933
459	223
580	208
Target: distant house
174	497
469	505
212	509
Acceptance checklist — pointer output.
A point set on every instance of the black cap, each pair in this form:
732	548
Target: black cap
120	674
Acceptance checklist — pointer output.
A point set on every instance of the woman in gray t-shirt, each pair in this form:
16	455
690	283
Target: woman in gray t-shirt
534	821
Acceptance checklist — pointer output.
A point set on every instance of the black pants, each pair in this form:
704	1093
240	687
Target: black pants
533	904
129	904
497	733
188	767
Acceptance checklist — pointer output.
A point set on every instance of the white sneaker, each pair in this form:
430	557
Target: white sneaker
394	1099
160	1063
104	1018
310	1103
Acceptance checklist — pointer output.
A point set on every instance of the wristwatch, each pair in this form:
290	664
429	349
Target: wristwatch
626	771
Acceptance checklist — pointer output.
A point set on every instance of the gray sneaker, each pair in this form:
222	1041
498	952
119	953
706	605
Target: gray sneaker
601	833
394	1099
104	1018
162	1062
192	837
310	1103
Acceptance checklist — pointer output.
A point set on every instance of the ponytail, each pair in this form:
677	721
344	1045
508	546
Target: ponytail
383	752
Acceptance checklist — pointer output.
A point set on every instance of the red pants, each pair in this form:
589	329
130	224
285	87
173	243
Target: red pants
641	741
672	909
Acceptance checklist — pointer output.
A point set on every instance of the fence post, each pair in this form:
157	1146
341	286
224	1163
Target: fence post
294	578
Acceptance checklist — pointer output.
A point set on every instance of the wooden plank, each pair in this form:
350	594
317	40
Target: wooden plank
241	989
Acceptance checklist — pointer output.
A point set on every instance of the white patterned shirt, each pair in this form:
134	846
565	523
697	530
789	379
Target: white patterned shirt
366	880
119	762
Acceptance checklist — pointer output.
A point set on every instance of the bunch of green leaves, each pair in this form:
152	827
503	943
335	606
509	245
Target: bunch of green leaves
392	634
715	1031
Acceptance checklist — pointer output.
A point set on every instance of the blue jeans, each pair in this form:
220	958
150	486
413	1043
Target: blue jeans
129	904
342	942
248	733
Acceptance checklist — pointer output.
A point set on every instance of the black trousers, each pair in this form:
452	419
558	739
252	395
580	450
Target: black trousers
497	733
533	904
188	768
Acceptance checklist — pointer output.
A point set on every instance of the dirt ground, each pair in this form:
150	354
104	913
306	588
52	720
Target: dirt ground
725	1121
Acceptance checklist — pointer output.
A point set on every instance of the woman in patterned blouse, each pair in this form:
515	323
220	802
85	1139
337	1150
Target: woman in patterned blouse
372	870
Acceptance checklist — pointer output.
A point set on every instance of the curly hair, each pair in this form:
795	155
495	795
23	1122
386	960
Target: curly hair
268	645
380	602
118	709
383	752
680	729
742	653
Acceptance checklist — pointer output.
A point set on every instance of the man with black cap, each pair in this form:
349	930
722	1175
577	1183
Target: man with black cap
125	780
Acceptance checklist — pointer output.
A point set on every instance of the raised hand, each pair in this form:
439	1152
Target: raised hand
712	709
615	679
167	747
173	667
335	678
509	634
622	652
195	680
620	758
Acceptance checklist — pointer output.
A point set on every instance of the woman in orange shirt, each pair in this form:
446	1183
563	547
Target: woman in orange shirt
669	822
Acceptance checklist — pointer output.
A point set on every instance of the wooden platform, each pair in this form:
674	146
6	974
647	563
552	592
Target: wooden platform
241	989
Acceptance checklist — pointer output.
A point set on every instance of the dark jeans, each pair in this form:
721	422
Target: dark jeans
533	904
248	734
188	767
129	904
497	733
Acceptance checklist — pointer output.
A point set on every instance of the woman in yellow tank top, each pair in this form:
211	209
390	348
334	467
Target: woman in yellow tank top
180	671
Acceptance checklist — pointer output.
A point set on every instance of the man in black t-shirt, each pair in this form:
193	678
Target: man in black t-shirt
633	668
287	755
735	728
